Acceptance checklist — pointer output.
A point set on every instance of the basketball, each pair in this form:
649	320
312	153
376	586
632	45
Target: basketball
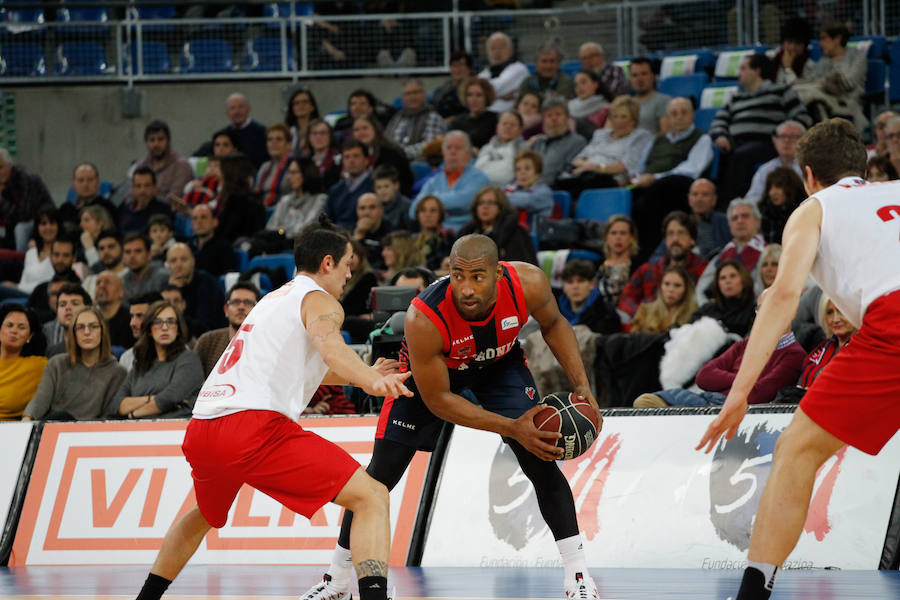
576	420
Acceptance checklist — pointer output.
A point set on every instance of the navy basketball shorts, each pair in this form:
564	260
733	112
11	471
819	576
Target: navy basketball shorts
505	387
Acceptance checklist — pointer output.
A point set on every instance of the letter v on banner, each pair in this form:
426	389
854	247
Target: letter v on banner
105	515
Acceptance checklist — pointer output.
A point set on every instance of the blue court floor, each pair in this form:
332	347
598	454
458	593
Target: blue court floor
278	583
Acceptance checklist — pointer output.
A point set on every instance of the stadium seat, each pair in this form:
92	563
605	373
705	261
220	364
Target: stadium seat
571	67
686	63
876	72
282	10
152	13
601	204
154	58
79	13
206	56
106	188
420	169
875	46
703	118
729	61
623	63
284	260
80	58
689	86
335	115
584	255
241	259
264	54
182	227
562	204
20	18
712	172
717	96
22	60
894	75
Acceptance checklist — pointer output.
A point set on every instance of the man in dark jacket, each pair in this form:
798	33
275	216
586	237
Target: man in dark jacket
22	193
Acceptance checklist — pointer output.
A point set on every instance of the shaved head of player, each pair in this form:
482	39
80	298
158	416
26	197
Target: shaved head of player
474	273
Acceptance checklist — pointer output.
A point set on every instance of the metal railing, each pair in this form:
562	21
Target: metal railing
131	49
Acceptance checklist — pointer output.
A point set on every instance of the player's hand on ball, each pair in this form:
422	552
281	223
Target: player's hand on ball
386	366
583	394
391	385
727	422
540	443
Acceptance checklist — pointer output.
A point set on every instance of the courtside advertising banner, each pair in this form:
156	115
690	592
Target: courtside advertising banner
646	498
106	493
13	444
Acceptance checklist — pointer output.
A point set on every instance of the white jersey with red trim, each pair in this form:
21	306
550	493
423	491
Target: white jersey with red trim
270	363
858	259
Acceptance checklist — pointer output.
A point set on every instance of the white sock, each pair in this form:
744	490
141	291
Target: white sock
572	552
341	569
768	571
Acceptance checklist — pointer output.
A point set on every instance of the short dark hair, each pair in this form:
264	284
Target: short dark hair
832	149
68	276
686	221
838	30
884	164
386	171
110	233
426	275
37	345
138	236
361	93
244	285
796	29
75	289
641	60
350	144
462	55
157	126
160	219
578	267
760	62
171	287
144	171
63	240
317	240
148	298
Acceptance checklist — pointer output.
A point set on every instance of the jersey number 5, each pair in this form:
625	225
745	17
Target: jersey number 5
234	350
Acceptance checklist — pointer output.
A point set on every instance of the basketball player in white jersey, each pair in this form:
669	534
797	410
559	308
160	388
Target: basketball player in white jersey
244	427
847	235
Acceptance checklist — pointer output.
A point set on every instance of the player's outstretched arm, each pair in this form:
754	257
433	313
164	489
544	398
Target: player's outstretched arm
556	330
426	360
323	316
800	241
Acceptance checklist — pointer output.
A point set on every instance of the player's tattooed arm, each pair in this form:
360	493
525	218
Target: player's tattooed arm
371	568
325	325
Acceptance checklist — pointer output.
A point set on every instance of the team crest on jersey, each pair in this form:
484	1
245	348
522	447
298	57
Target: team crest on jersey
530	391
463	351
509	323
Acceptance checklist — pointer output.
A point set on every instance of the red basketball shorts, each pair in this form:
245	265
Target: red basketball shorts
267	451
856	397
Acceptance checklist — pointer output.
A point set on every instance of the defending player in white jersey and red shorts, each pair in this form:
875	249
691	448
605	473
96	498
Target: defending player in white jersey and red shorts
847	236
244	427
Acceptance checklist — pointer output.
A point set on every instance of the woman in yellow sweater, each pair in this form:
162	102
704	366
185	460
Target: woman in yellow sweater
22	360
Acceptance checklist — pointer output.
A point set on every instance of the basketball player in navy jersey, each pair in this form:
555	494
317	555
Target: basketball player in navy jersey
854	401
461	333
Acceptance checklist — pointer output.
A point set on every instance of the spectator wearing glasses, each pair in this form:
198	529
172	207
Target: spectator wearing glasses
241	299
79	384
785	139
166	375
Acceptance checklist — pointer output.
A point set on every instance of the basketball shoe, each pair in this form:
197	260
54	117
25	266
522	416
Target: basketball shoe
582	588
324	591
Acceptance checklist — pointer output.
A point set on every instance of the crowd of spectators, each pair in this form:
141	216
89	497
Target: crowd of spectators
119	309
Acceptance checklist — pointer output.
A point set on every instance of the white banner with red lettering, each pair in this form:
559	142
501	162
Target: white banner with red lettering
13	444
645	498
106	493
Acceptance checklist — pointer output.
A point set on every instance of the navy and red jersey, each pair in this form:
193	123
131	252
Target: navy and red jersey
474	344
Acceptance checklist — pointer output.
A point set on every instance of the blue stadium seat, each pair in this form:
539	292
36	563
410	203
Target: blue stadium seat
689	86
562	204
686	63
571	67
22	60
894	75
206	56
272	261
875	79
420	169
815	50
264	54
601	204
717	95
584	255
82	14
241	259
183	229
282	10
23	16
875	45
80	58
712	172
154	57
729	60
703	118
106	188
155	12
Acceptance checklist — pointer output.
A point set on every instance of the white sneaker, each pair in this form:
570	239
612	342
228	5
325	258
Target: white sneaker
324	591
583	588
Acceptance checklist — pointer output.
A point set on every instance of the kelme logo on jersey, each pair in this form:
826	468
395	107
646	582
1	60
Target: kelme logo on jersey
509	323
